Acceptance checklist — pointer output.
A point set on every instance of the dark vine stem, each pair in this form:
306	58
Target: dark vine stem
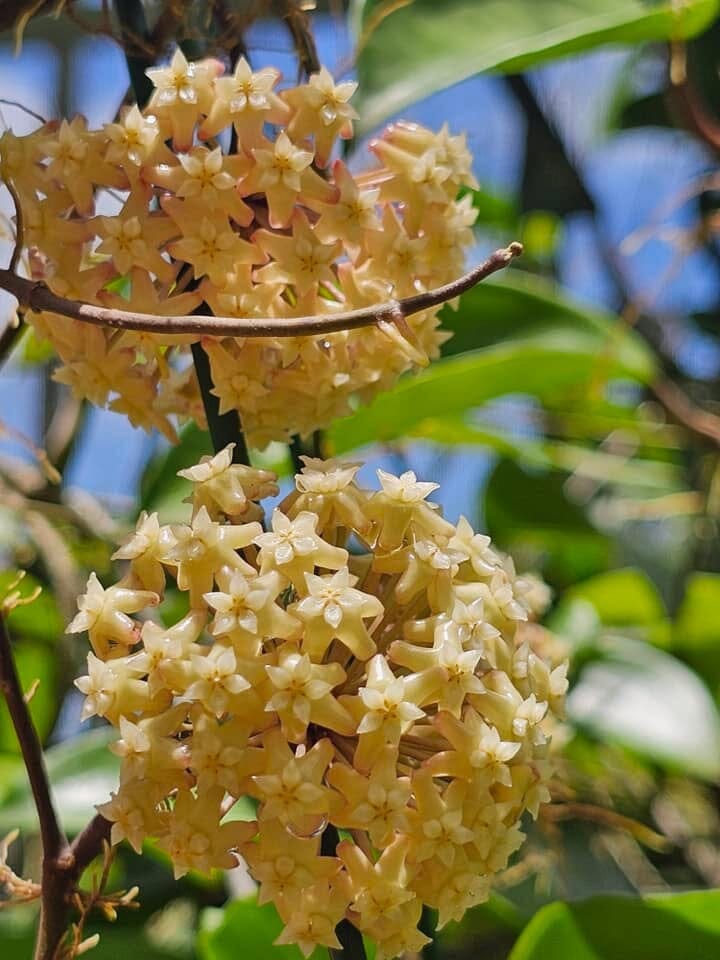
224	427
347	933
140	52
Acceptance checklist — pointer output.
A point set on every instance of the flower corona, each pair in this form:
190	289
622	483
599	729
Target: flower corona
356	664
152	214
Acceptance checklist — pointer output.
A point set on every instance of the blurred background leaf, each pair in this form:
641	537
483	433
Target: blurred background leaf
455	39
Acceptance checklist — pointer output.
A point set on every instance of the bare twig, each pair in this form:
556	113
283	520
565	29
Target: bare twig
88	844
37	296
684	411
30	746
606	817
17	249
21	106
684	98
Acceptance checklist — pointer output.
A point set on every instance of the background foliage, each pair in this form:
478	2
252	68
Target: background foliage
574	414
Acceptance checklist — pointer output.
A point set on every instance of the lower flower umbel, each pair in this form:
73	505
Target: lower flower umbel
359	665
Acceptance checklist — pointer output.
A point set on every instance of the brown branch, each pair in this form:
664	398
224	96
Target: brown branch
684	99
19	231
37	296
57	858
298	24
88	844
52	836
682	409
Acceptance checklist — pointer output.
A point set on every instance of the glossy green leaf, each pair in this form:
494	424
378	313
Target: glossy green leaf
248	930
696	630
161	489
498	919
34	661
643	698
625	598
117	942
683	926
518	304
39	620
422	46
82	773
593	464
544	354
10	766
494	210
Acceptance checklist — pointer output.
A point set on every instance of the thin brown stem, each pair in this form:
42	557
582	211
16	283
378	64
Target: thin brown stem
37	296
57	858
52	836
298	24
682	409
19	232
5	102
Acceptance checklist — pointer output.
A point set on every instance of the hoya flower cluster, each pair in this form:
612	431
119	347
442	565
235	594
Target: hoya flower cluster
358	663
267	228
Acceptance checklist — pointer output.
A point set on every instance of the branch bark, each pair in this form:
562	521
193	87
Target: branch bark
38	297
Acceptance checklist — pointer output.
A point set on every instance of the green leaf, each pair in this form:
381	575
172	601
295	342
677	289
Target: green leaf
696	632
494	210
625	598
245	929
517	304
663	927
422	46
10	766
645	699
161	489
564	348
39	620
593	464
496	919
528	514
34	630
82	774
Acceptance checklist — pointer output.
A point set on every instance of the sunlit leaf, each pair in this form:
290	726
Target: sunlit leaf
35	662
161	489
625	598
696	630
645	699
537	343
245	929
663	927
39	620
424	46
